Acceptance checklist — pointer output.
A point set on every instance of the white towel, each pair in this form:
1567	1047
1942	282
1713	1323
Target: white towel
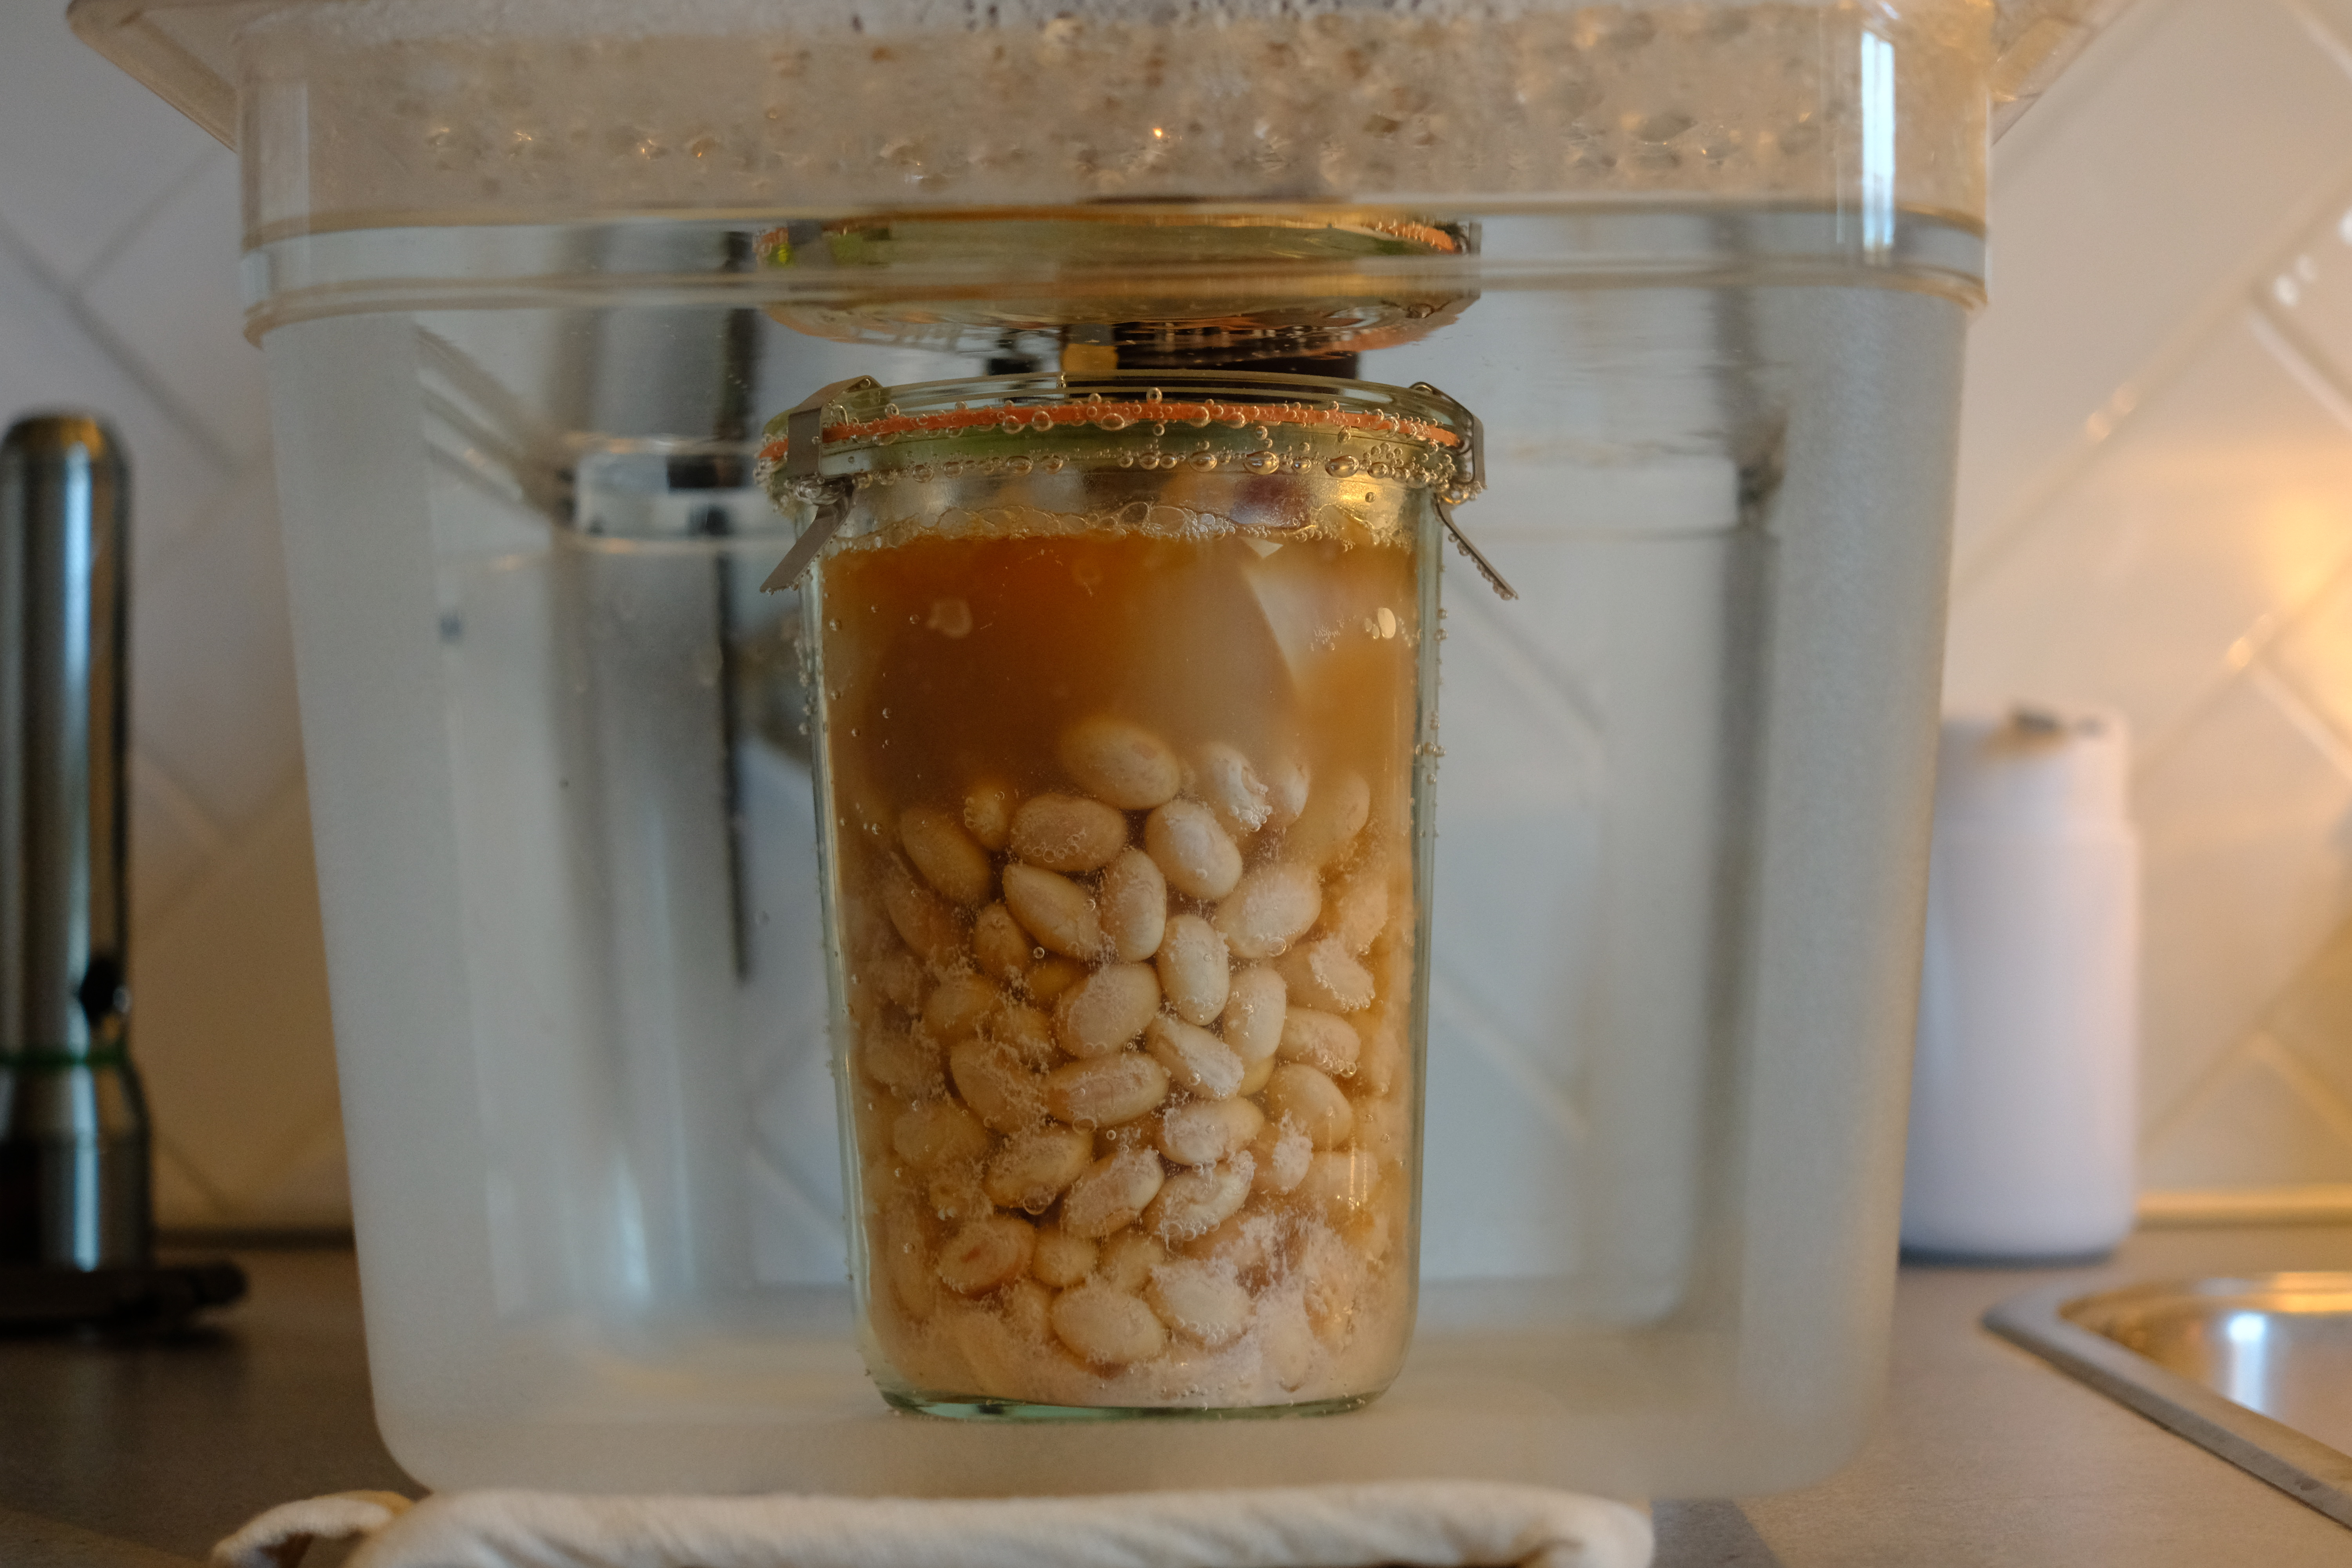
1423	1524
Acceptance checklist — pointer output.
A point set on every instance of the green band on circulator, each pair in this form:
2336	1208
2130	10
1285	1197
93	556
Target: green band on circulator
42	1059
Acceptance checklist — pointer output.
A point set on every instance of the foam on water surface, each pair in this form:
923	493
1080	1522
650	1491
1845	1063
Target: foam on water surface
526	112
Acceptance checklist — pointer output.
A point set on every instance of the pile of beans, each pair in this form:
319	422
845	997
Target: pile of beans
1132	1078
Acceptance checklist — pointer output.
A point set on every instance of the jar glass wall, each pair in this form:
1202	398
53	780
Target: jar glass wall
1125	692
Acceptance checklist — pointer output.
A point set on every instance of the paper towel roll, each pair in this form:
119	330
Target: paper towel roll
2024	1086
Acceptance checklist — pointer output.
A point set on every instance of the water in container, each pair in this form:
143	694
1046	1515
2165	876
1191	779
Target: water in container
531	284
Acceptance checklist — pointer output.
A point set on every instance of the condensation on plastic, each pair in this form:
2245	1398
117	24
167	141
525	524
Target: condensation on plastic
446	110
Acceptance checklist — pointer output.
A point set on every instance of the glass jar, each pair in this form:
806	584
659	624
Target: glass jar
1126	707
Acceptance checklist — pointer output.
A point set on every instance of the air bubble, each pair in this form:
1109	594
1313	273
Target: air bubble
1262	462
1113	421
1343	468
1203	461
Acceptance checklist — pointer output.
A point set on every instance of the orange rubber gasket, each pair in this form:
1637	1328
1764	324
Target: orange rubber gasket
1045	417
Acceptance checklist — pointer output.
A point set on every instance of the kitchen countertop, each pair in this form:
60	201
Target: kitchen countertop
139	1456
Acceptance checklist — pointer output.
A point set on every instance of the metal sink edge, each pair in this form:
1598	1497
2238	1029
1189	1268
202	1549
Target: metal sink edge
2302	1467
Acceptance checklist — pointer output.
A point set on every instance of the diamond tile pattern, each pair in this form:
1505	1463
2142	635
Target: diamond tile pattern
2169	163
2158	517
2155	513
117	294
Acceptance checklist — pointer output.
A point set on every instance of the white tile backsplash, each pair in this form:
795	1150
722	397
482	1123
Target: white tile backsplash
2218	509
216	710
233	1029
87	150
50	358
170	291
2248	871
2187	147
2156	512
2261	1121
117	294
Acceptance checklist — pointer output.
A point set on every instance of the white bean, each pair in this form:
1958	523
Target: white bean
1227	784
998	945
1323	974
955	1194
1196	972
1198	1302
1356	908
1035	1168
1107	1328
1321	1040
1120	761
1307	1098
988	807
1062	1259
1248	1245
924	921
1055	910
1286	1342
1052	977
1204	1132
1199	858
1067	833
900	978
1197	1061
900	1062
907	1262
1339	1181
1285	793
1283	1155
1336	812
990	1077
1255	1075
1112	1193
1254	1014
1028	1309
1384	1062
1029	1034
1199	1198
1105	1090
987	1255
1374	1228
1329	1275
959	1005
1128	1260
946	856
1269	908
937	1132
1107	1010
1385	1130
1134	905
